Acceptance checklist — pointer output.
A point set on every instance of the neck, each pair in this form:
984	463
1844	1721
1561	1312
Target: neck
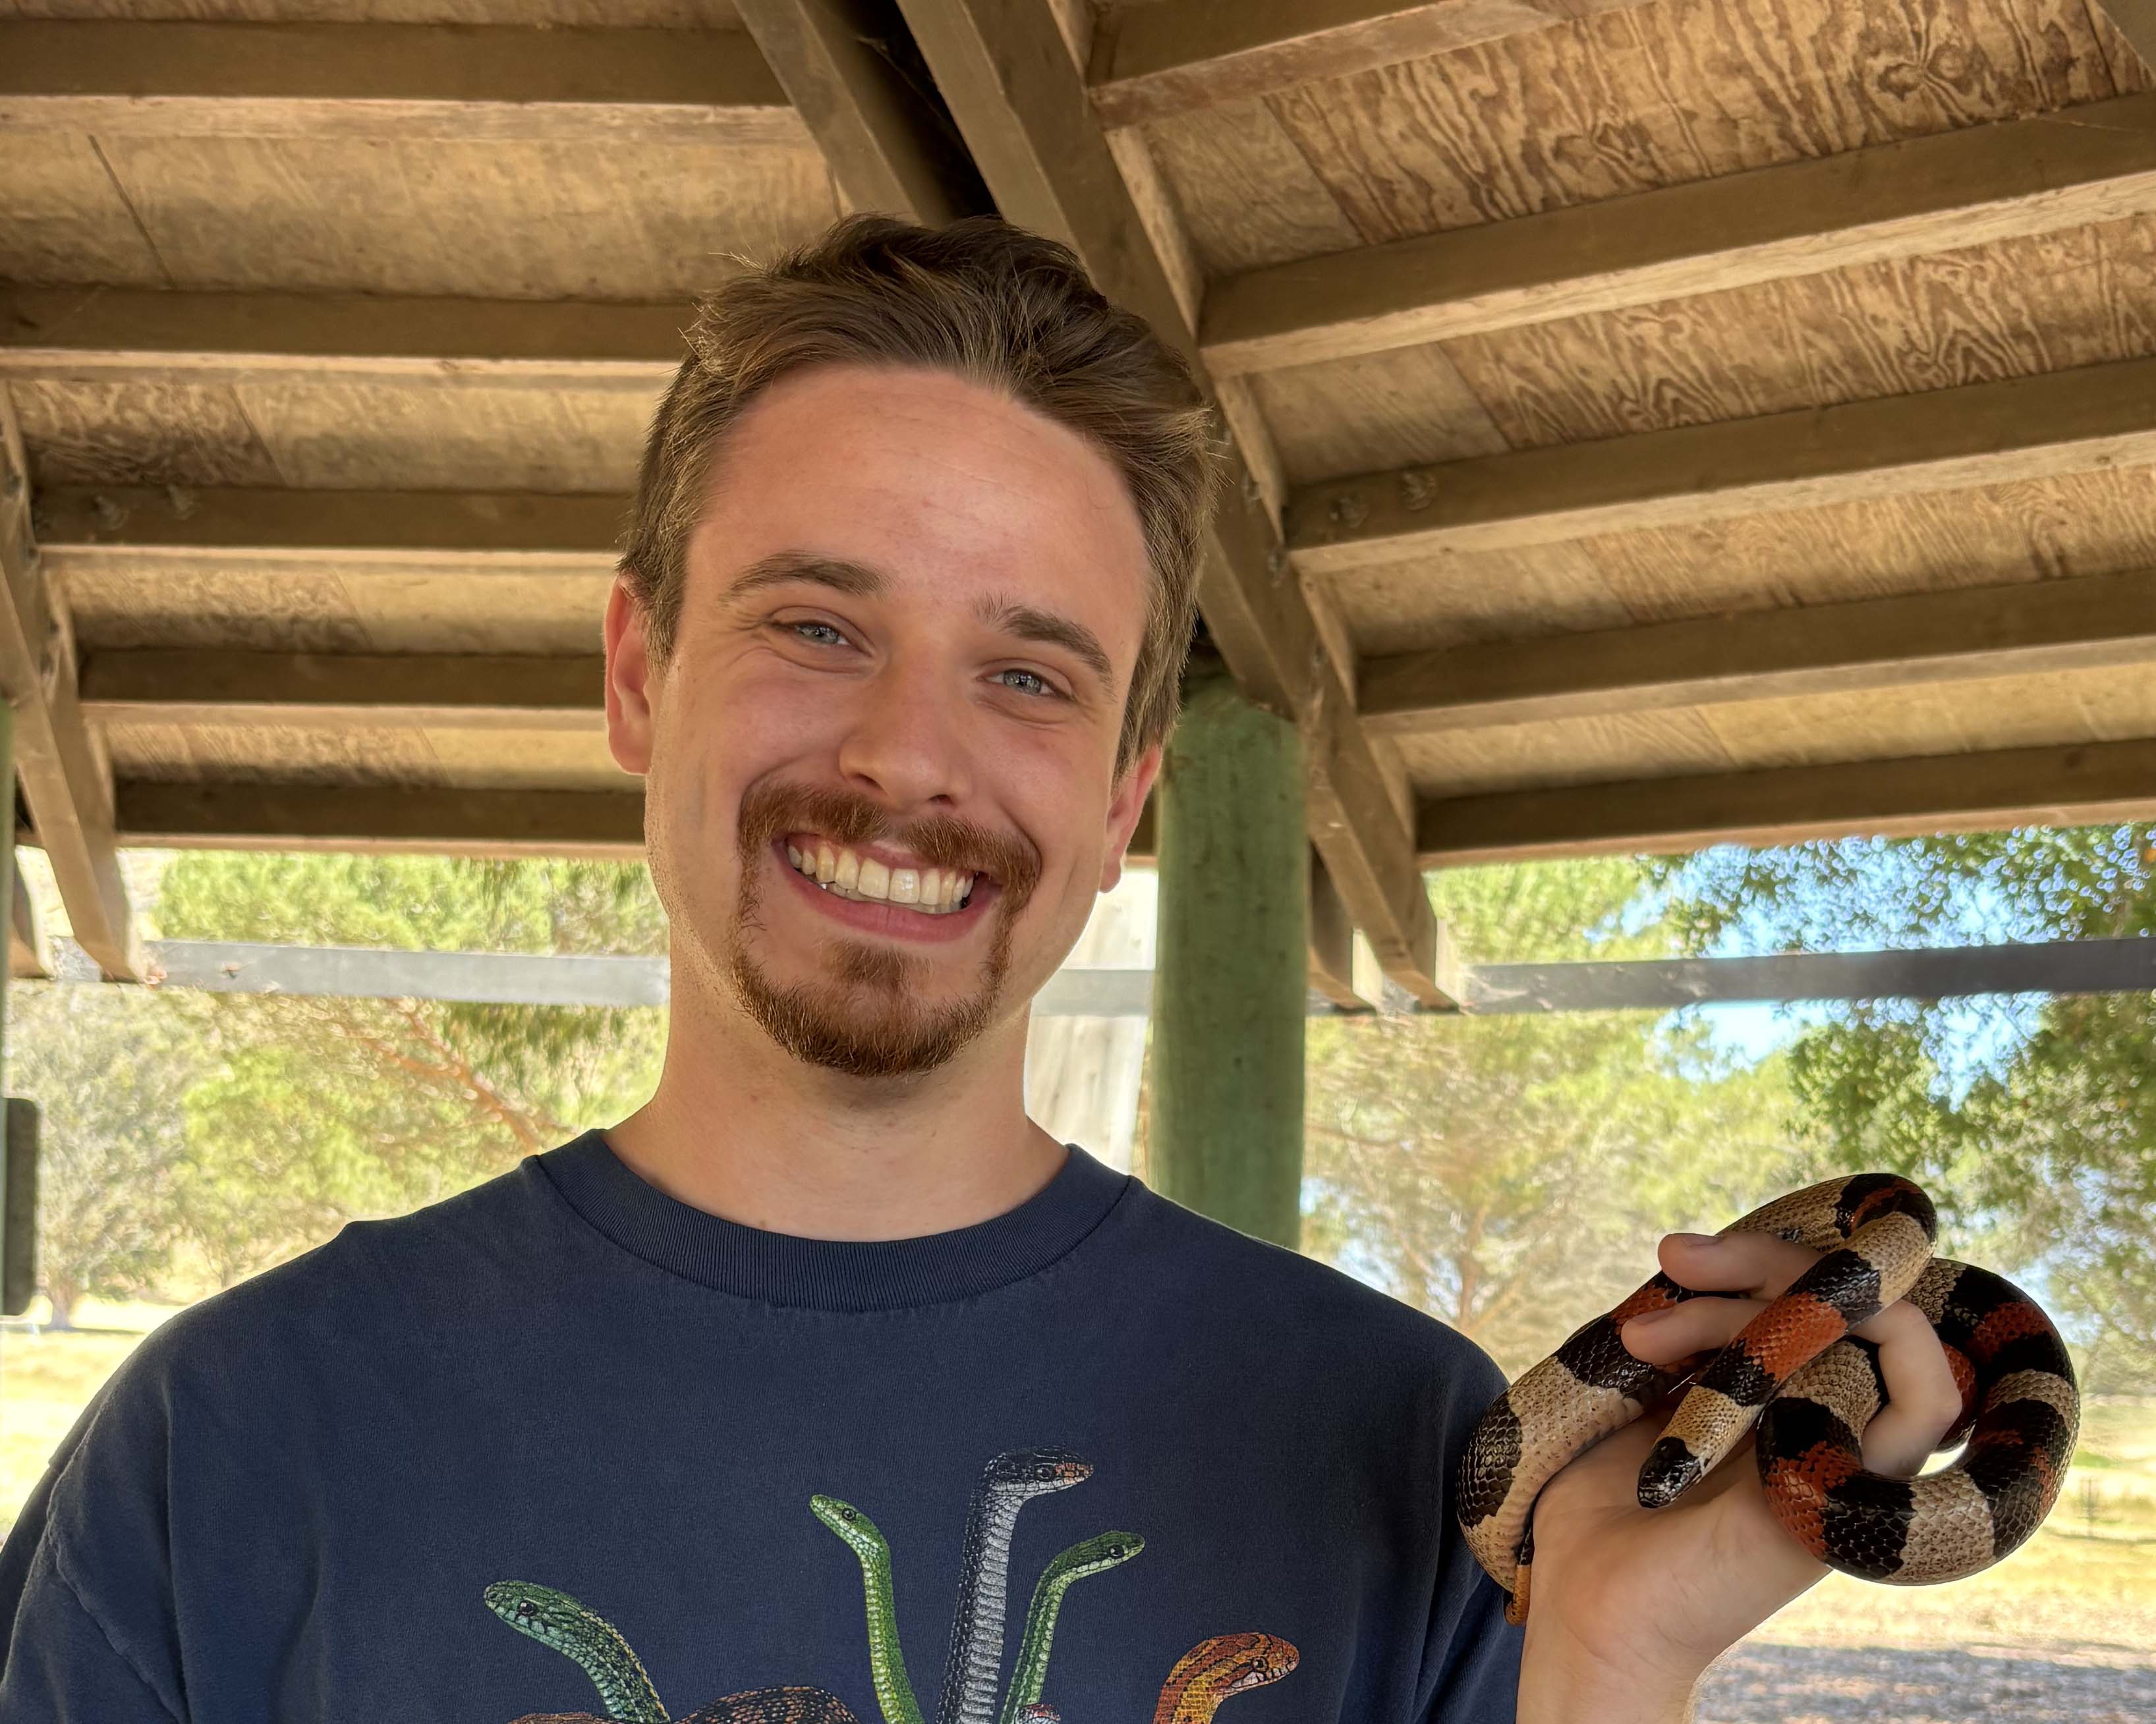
741	1129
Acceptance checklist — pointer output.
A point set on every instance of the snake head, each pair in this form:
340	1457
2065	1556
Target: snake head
1044	1468
538	1611
849	1522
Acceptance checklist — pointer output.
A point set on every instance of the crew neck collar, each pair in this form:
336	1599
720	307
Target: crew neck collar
831	1275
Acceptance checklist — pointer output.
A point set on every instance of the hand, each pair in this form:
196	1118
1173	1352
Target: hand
1637	1603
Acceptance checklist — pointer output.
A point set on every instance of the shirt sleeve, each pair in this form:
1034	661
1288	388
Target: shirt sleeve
1470	1672
88	1632
62	1666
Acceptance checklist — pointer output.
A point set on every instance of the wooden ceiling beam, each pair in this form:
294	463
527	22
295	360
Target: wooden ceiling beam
1006	72
606	825
1914	197
404	81
1154	61
369	692
151	336
65	779
540	528
2031	428
2076	784
847	67
2027	629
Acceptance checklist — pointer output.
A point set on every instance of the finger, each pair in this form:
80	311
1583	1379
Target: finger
1923	1401
1754	1263
1698	1326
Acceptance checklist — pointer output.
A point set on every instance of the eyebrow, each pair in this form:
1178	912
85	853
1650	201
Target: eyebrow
858	580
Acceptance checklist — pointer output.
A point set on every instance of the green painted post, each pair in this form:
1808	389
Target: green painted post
1231	971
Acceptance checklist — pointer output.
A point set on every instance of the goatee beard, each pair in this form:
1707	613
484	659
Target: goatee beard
866	1018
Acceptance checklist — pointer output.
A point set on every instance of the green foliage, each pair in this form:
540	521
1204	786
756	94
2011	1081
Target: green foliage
208	1135
109	1069
1511	1174
2041	1145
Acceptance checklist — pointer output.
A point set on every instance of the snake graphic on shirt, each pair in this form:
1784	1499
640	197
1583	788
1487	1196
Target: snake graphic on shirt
1213	1670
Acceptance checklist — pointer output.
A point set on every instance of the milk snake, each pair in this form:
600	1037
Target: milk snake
1812	1389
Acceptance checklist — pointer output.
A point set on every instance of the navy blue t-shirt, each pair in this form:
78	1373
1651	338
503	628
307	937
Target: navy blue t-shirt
564	1445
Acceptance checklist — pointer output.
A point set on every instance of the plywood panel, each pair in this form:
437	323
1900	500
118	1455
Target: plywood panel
2014	308
1624	101
310	755
506	220
1247	195
2113	705
97	433
1474	595
2086	524
63	219
657	14
2082	523
1575	752
1366	414
327	606
1946	718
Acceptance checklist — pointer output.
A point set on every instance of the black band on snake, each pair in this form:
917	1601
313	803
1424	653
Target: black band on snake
1812	1389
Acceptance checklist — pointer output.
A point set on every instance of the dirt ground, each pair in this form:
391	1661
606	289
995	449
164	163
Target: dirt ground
2023	1684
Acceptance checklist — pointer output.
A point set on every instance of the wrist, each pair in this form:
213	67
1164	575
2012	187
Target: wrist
1563	1682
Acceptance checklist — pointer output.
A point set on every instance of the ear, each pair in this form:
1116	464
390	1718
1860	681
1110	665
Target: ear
628	678
1124	808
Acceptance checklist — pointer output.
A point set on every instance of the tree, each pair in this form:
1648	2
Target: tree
1510	1173
109	1069
2032	1121
323	1110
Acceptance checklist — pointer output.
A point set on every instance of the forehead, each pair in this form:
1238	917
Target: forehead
947	486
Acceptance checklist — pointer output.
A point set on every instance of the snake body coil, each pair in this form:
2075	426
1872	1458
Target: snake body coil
1811	1392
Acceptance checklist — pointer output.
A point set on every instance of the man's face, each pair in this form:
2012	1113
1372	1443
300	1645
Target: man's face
879	766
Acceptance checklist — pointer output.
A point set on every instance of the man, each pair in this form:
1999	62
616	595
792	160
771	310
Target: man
732	1408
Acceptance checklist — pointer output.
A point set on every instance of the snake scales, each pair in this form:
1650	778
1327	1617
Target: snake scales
1812	1390
1209	1673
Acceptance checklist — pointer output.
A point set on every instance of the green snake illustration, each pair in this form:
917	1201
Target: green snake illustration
1091	1556
976	1655
894	1693
557	1620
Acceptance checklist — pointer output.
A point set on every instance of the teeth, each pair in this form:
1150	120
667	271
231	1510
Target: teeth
931	891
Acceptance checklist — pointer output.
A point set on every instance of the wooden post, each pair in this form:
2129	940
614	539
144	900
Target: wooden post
1232	969
7	922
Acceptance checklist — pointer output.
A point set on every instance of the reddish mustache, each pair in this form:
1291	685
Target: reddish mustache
771	810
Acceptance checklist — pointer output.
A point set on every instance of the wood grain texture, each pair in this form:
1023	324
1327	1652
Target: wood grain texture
516	220
544	532
65	218
404	82
267	602
304	750
656	14
64	778
2078	785
2052	302
1913	198
2030	428
1626	101
1775	660
1245	191
2057	707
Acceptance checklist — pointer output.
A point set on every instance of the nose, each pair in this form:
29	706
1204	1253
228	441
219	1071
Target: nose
908	740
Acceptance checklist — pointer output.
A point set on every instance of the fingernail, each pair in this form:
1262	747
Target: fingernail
1696	1239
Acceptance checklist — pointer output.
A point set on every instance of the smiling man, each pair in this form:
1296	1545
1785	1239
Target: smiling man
828	1386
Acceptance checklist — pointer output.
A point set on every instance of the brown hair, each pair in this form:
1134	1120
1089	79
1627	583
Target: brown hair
993	303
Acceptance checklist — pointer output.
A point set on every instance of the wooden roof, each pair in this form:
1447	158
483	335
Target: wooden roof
1693	420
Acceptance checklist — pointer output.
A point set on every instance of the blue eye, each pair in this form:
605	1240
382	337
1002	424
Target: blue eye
827	628
1046	687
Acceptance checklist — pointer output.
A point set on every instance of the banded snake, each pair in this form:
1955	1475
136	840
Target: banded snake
1811	1389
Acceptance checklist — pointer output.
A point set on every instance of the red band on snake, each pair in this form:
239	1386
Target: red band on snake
1812	1389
